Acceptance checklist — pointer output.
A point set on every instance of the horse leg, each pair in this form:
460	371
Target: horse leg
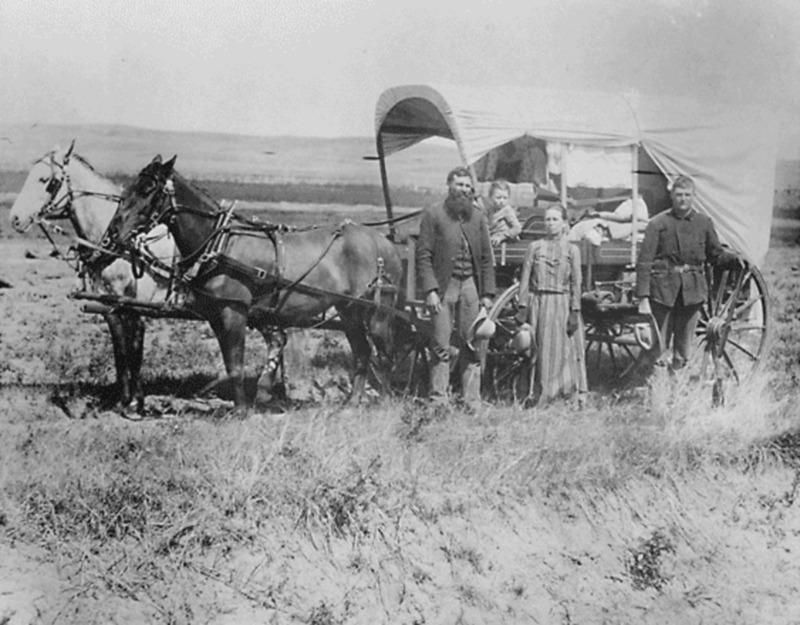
382	336
117	329
230	327
135	354
272	381
355	331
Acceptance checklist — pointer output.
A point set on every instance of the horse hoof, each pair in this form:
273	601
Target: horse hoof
237	414
264	397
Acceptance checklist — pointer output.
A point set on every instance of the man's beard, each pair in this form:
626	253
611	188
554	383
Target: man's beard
458	205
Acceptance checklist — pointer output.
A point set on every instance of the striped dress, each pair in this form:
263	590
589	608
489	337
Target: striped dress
550	287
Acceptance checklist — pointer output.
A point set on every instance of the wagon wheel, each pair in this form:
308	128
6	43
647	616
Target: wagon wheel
506	373
617	345
733	332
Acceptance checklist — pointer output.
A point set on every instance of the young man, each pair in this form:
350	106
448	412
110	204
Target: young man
456	272
670	276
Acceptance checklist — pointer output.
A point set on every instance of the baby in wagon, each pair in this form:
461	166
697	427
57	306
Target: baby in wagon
503	221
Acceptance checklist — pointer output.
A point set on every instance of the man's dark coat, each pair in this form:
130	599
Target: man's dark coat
440	242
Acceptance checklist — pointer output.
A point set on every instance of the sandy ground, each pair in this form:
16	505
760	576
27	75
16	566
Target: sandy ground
727	558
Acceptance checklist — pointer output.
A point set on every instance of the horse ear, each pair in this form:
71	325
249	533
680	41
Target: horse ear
156	160
170	164
69	152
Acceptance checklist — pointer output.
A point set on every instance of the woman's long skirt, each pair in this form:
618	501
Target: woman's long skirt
559	368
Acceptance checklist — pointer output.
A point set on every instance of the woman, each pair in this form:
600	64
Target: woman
550	300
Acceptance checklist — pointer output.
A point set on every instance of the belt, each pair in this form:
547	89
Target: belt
686	268
462	278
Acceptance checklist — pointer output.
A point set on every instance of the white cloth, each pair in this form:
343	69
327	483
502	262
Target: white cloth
596	230
623	230
592	230
599	167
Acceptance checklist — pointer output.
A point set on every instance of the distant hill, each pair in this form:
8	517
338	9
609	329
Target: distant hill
126	150
243	158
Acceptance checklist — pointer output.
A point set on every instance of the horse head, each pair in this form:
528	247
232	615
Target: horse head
145	203
45	192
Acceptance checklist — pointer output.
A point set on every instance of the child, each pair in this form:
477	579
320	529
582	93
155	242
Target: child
550	301
503	221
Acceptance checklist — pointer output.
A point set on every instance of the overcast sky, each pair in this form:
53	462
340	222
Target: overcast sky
317	67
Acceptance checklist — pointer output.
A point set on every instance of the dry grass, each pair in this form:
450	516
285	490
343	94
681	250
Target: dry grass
150	512
394	507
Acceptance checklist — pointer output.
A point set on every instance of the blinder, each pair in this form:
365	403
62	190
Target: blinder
54	186
167	211
51	208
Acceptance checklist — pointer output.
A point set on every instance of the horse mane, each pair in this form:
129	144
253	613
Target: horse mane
85	162
81	159
90	168
202	193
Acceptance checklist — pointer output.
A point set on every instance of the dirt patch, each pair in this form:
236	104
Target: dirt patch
30	585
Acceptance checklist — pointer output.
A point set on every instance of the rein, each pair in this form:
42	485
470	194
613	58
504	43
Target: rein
209	255
395	220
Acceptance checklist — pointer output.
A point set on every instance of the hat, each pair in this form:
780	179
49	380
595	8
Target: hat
482	329
523	339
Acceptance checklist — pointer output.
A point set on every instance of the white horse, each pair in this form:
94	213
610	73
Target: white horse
64	184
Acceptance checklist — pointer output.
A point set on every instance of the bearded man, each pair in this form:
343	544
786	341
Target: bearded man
455	268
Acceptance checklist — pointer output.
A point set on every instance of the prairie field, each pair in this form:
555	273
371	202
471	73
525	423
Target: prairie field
646	507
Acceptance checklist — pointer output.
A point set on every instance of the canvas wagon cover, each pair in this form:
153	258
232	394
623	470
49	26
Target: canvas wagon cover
730	152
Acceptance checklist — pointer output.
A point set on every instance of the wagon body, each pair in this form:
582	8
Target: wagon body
595	149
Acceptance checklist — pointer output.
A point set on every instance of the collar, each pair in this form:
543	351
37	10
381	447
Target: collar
688	216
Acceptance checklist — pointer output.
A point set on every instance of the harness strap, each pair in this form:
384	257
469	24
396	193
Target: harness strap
284	287
264	277
260	275
287	291
52	242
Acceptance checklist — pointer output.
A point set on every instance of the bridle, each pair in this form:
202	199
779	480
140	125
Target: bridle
62	208
164	197
53	209
162	208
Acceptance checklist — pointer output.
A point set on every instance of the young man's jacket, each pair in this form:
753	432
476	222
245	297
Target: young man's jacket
439	244
672	256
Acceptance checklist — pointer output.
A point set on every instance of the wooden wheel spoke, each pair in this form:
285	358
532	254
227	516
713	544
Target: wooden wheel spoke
731	367
610	346
720	292
745	307
742	349
748	328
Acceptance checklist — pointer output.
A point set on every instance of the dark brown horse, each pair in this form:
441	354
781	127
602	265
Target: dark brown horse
246	273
